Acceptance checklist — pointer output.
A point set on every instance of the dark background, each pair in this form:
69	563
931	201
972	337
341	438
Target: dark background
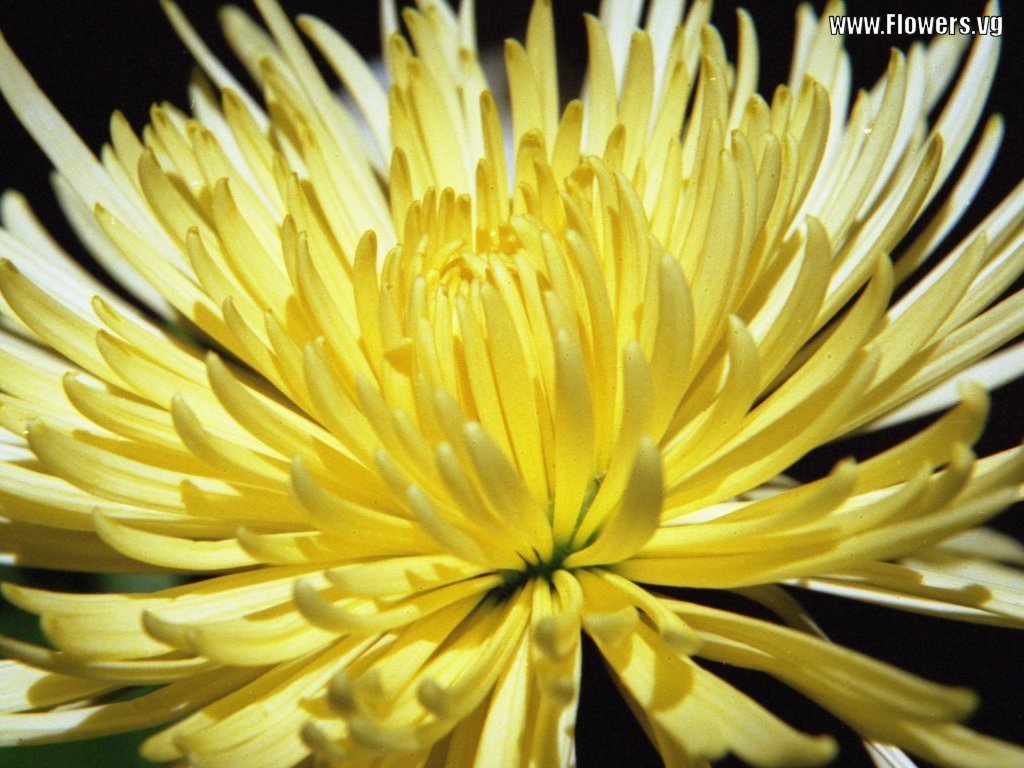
92	58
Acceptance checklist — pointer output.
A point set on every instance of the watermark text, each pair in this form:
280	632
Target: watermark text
902	24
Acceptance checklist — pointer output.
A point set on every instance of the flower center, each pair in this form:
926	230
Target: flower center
546	567
514	580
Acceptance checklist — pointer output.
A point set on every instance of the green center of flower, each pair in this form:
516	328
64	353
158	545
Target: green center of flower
514	580
545	567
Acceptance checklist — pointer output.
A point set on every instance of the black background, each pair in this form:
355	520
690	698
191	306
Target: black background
95	57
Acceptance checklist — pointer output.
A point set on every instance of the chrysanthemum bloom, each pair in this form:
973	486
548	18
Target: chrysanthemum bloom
438	413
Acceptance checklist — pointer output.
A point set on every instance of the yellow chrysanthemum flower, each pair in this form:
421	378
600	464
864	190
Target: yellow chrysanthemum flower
422	414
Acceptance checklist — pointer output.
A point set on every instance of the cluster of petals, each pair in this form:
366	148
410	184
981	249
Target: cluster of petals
420	391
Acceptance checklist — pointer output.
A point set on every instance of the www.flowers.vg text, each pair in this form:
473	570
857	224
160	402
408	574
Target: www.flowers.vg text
901	24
